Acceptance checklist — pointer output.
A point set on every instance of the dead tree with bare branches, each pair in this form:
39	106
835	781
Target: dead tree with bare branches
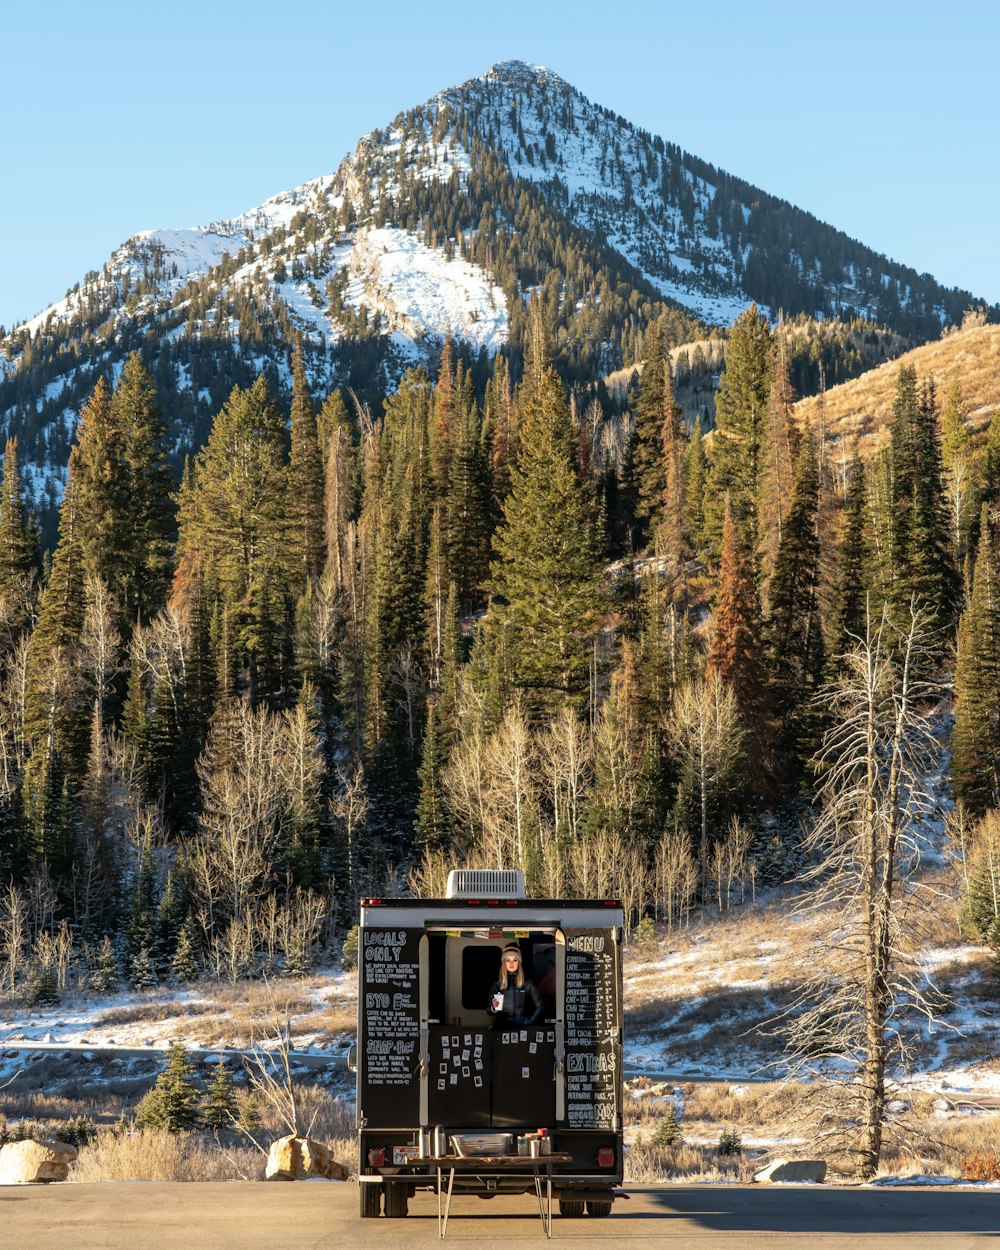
865	846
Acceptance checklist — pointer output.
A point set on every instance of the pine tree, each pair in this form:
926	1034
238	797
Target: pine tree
18	554
124	509
734	656
142	973
925	572
305	478
849	610
341	486
445	417
433	825
104	973
672	541
468	507
548	599
740	410
147	518
795	643
695	469
647	441
184	967
960	485
500	425
779	453
975	743
174	1101
219	1105
235	519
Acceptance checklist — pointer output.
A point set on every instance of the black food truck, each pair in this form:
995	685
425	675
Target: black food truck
441	1082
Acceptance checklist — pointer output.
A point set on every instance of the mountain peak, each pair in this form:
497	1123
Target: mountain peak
522	74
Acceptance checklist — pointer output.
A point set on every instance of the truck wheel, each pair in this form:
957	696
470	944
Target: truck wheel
599	1208
396	1201
570	1207
369	1201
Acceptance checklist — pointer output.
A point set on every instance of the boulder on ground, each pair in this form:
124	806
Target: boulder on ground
792	1172
300	1158
35	1162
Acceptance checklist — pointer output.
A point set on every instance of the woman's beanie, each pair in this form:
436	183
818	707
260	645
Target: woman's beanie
511	948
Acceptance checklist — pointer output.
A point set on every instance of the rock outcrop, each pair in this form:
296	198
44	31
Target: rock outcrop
300	1158
35	1162
792	1172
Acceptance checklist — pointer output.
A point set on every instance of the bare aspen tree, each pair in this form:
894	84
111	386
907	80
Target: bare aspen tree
510	798
707	740
737	844
875	762
13	694
568	760
325	620
465	782
240	830
42	902
100	641
676	878
406	677
13	932
981	867
959	828
349	808
429	878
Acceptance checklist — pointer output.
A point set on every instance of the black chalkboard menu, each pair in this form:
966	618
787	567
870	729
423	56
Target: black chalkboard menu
593	1025
390	1033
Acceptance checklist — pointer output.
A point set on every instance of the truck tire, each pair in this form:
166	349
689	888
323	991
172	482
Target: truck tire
396	1201
599	1208
571	1207
369	1201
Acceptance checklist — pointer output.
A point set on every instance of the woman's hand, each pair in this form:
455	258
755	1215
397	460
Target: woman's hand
497	1001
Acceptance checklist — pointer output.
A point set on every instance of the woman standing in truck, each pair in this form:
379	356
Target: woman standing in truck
513	997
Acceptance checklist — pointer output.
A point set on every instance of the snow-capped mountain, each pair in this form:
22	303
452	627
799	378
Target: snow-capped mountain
447	222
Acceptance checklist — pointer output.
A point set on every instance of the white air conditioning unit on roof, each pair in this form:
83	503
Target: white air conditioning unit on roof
485	883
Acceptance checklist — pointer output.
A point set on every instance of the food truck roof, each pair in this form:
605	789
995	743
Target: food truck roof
557	913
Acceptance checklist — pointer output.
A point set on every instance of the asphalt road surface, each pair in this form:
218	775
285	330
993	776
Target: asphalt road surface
303	1216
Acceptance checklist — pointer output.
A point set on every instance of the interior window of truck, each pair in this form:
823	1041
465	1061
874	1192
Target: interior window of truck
480	965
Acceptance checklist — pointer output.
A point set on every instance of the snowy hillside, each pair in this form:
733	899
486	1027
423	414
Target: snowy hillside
446	222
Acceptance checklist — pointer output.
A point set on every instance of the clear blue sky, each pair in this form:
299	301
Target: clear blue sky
879	117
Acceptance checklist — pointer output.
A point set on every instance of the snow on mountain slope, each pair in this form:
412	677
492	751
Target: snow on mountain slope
420	291
604	170
160	262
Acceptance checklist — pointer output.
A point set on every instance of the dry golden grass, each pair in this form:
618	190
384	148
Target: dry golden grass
858	411
156	1155
150	1011
789	1120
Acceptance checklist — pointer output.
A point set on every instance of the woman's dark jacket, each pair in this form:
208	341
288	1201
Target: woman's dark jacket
520	1006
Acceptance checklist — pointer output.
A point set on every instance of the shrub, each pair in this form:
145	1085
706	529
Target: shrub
982	1165
645	931
104	974
42	989
349	951
76	1132
174	1101
730	1143
22	1130
667	1131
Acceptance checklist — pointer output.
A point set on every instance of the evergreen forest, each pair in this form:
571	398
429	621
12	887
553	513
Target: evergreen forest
493	619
